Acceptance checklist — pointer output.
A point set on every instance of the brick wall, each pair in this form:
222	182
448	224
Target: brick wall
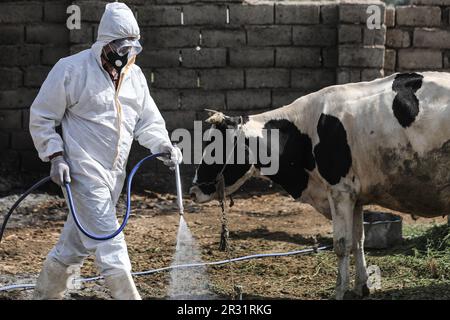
32	38
418	36
241	57
361	50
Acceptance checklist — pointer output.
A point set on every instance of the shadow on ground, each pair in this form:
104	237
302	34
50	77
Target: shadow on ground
264	233
426	292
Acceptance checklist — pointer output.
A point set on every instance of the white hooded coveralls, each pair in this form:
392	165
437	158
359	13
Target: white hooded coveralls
98	126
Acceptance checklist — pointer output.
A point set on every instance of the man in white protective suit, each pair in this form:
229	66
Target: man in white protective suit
101	99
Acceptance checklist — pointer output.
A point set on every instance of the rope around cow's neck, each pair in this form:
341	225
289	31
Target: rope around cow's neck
221	196
224	244
224	235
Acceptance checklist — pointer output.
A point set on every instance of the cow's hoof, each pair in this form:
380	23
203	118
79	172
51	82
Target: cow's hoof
363	291
350	295
347	295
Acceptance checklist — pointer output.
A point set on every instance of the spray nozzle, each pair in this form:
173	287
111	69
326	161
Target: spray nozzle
179	192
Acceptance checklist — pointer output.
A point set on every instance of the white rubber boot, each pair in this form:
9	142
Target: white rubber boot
122	286
52	281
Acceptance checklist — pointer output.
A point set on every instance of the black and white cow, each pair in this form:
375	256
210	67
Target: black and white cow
384	142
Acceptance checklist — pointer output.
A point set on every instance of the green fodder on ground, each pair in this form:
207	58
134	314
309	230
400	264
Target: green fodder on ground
419	268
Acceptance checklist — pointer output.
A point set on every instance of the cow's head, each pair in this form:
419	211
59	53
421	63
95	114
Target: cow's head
204	186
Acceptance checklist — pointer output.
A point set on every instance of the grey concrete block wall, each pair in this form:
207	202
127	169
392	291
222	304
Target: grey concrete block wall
33	36
361	51
417	37
241	57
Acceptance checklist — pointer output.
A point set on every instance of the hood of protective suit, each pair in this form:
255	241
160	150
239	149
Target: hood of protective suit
117	22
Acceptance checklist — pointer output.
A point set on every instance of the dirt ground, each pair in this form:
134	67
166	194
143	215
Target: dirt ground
258	224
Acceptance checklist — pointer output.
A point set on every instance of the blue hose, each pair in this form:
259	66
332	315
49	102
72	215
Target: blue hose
72	207
16	204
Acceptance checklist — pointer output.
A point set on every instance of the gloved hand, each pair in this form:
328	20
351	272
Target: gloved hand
59	171
176	157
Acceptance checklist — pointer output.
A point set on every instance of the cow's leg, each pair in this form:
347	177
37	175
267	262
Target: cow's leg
342	206
361	288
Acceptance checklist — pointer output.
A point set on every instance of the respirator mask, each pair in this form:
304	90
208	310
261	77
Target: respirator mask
121	50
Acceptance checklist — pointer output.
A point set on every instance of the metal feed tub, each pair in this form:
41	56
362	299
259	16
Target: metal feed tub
382	230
